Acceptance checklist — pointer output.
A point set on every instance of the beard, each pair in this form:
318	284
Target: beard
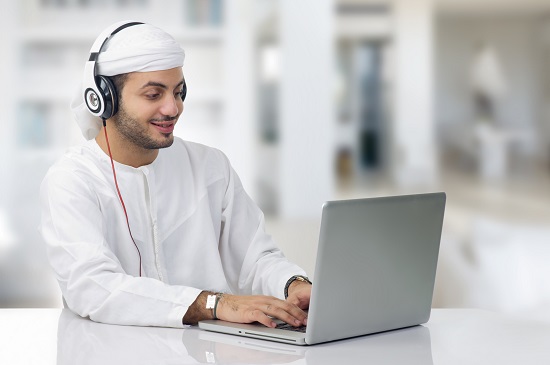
135	133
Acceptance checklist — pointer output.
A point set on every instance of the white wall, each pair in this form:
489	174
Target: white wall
239	125
306	106
413	132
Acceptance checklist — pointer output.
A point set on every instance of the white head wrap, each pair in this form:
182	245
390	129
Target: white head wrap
138	48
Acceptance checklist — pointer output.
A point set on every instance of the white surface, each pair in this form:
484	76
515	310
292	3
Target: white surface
55	336
494	264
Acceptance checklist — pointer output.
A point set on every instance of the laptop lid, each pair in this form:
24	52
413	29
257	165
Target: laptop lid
375	270
376	265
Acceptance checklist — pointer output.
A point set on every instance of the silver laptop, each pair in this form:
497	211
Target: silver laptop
375	270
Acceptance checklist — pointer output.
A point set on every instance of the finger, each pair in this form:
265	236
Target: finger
296	311
259	316
301	302
294	300
286	311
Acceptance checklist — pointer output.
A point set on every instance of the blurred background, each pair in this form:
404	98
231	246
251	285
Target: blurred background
312	101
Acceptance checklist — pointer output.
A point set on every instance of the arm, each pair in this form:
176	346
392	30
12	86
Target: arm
246	309
299	294
253	264
96	282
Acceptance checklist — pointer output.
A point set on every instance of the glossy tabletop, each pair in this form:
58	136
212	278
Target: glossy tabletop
452	336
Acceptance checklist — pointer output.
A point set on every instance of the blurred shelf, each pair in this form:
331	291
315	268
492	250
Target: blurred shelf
56	85
49	96
198	34
56	35
212	96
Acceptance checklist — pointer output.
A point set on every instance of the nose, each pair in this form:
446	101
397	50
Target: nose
171	106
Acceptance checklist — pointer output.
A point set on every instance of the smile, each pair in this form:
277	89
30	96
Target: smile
164	127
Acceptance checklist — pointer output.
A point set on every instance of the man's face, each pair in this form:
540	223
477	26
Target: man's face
150	105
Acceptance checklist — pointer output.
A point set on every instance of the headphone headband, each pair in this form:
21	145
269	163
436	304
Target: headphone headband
106	34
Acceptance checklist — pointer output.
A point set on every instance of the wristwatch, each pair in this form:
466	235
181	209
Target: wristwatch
293	279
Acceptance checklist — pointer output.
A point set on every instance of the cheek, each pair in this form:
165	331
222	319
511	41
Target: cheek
144	111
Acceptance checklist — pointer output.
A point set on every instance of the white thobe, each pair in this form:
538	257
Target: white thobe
194	225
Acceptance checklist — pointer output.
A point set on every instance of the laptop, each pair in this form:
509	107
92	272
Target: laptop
375	270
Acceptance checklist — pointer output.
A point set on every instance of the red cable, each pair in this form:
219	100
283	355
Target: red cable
120	196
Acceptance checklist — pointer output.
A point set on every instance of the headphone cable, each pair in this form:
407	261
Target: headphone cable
118	191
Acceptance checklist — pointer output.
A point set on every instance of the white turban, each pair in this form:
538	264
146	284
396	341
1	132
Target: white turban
138	48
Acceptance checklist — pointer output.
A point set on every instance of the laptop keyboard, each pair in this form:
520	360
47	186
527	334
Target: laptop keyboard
288	327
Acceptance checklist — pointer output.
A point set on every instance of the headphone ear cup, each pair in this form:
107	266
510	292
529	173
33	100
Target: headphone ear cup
184	92
108	95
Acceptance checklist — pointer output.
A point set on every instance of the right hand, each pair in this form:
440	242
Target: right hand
259	308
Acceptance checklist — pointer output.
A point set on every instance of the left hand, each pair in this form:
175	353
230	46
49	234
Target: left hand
299	294
259	308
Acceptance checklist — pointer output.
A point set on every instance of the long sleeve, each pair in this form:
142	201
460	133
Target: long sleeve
92	279
194	228
253	262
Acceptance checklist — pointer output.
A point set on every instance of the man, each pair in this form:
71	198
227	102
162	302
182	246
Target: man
143	228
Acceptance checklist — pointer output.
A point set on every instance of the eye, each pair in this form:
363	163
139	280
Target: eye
152	95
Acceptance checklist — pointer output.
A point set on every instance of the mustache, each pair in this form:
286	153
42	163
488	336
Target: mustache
165	119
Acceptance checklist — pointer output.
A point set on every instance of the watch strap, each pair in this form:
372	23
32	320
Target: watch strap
293	279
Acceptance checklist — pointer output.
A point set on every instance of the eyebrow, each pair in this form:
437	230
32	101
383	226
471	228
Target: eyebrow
161	85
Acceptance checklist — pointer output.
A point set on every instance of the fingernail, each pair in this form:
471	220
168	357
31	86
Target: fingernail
305	321
296	322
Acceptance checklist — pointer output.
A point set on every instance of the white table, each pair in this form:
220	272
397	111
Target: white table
452	336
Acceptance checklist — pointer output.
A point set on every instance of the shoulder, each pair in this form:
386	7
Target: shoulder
78	166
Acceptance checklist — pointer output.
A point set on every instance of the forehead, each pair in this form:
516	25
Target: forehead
170	78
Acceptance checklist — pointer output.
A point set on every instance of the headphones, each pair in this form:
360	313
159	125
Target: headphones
100	94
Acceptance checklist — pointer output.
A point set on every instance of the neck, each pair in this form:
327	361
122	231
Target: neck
123	151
